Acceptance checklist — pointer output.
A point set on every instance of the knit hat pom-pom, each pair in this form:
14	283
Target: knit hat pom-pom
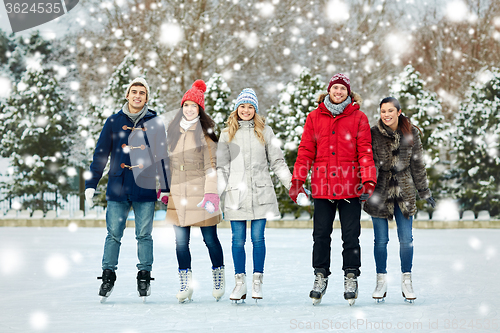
200	85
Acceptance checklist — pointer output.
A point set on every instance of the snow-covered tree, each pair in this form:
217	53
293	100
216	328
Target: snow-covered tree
451	43
34	135
476	145
217	102
26	51
421	105
287	119
254	43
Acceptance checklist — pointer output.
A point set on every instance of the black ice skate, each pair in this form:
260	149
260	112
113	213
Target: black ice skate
350	287
319	287
143	284
108	282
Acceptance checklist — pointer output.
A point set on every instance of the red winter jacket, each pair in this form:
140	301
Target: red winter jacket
339	150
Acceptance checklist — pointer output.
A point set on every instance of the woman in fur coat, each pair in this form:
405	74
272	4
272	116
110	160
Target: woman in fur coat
398	156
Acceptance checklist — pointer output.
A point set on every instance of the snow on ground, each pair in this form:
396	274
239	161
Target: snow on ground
48	284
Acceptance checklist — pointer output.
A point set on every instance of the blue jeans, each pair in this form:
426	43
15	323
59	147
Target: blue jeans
182	235
381	232
116	219
239	231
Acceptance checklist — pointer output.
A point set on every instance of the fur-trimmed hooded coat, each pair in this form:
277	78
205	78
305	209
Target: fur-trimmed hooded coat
400	172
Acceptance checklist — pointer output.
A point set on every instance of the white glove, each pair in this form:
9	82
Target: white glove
302	199
89	194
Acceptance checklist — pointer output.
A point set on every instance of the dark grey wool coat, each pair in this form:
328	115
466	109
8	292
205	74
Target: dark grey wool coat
400	172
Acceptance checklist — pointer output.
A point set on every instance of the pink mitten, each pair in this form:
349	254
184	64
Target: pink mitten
210	202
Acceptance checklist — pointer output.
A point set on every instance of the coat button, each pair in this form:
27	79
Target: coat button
334	194
333	153
333	132
333	174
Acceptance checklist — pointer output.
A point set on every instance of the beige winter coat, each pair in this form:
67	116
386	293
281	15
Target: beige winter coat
243	172
193	175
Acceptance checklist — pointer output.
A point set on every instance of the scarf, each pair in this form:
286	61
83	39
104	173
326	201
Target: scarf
135	117
246	123
185	124
336	109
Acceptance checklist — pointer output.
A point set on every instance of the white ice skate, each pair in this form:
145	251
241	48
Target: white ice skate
240	289
407	288
186	289
350	288
219	282
257	286
381	289
319	287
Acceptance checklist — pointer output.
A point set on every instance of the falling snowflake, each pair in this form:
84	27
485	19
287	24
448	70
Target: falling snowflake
457	11
171	34
337	11
39	320
5	87
57	266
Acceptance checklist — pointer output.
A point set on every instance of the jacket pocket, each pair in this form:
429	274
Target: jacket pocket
265	193
351	178
232	199
116	172
319	179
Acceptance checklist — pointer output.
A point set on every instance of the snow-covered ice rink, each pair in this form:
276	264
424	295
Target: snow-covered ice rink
48	284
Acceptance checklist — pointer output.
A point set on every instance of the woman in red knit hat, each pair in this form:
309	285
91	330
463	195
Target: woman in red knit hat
336	143
194	200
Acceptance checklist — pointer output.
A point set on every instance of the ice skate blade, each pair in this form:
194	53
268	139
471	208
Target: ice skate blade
408	300
241	301
380	300
351	301
185	301
316	301
143	299
103	299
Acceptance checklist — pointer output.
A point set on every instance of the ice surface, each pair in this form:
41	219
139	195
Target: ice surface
455	279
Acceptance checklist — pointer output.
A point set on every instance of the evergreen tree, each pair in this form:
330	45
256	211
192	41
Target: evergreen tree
287	119
421	106
217	102
425	111
35	137
476	141
5	48
24	51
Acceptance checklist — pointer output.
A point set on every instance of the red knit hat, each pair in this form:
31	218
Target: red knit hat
196	94
340	79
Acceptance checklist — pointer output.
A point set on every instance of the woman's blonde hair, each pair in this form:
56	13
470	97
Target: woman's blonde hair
233	126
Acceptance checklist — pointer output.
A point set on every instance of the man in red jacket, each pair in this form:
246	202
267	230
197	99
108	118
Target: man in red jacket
336	143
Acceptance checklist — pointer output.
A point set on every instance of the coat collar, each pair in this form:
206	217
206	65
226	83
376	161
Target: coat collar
347	111
149	114
385	130
246	123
